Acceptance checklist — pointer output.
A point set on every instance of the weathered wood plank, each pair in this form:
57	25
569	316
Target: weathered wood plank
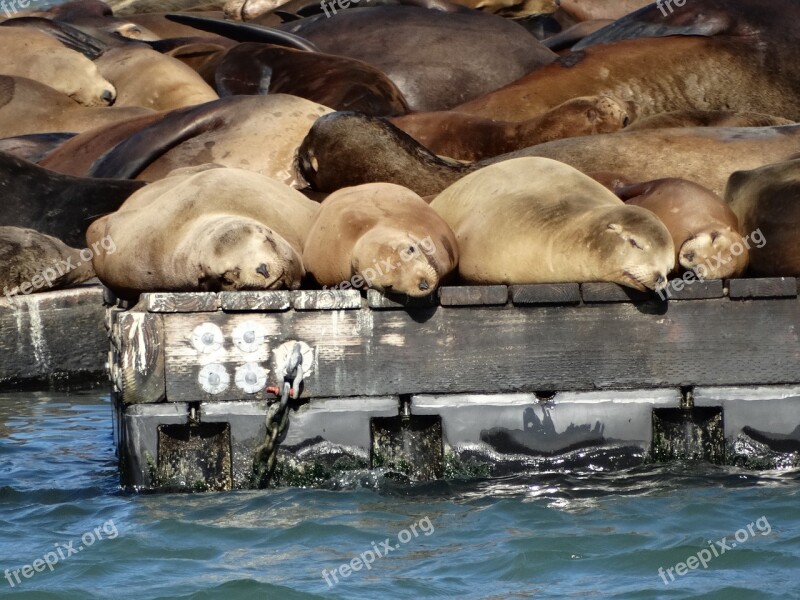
140	361
379	301
326	299
473	295
255	300
771	287
188	302
546	293
508	349
696	290
53	337
613	292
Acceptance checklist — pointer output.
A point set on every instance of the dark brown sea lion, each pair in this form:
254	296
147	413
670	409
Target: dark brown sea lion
722	55
75	157
414	48
466	137
571	36
55	204
767	201
34	262
704	229
334	81
345	149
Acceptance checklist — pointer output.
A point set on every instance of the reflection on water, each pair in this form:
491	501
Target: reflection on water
551	534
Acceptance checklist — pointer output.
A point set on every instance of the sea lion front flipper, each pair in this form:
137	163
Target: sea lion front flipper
654	21
245	32
71	37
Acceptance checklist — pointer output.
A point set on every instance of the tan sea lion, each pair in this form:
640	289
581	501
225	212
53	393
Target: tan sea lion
588	10
27	106
258	133
534	220
146	78
466	137
216	229
719	55
34	262
767	202
704	229
381	236
35	55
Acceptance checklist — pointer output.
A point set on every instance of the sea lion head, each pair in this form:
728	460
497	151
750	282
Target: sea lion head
395	261
635	248
80	79
235	253
716	253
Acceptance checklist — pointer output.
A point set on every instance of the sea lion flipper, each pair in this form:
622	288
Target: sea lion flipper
651	22
245	32
71	37
132	156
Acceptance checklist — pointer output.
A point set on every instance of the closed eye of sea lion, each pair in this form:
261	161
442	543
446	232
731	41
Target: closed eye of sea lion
383	234
532	220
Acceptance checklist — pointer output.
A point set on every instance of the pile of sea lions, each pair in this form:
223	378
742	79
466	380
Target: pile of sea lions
398	144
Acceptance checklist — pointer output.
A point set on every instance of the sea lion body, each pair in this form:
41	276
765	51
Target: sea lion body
466	137
258	133
767	202
149	79
538	221
215	229
35	262
28	107
35	55
704	229
708	118
383	234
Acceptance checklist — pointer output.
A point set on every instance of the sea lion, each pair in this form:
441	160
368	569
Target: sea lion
708	118
721	55
216	229
572	35
534	220
31	261
334	81
146	78
381	236
135	7
35	55
27	106
54	204
704	229
34	147
258	133
344	149
414	48
767	202
466	137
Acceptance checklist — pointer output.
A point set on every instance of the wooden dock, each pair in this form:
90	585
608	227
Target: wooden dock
478	381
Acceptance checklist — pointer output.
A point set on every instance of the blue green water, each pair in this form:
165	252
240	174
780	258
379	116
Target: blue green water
551	535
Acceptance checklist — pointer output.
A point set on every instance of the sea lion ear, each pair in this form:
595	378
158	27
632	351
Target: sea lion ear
615	227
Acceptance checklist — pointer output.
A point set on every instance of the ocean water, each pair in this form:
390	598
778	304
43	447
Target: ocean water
547	535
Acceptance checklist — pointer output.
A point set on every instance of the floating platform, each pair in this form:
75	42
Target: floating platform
54	339
475	382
